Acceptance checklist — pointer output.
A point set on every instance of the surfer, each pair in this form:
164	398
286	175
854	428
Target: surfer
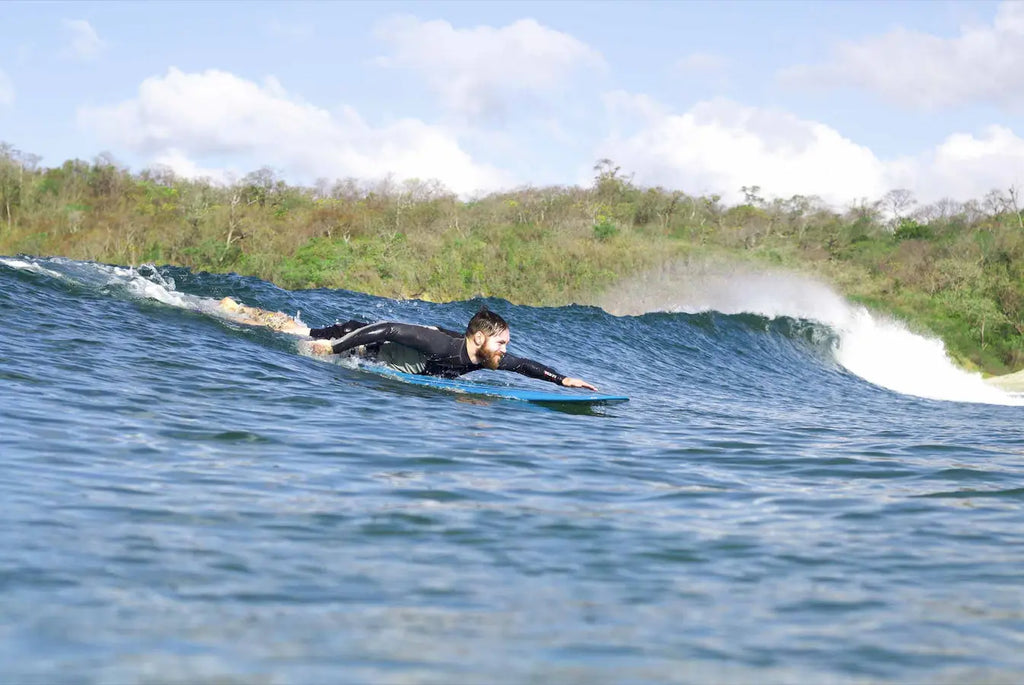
415	349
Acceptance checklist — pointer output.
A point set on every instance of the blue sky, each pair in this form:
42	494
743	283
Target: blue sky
845	100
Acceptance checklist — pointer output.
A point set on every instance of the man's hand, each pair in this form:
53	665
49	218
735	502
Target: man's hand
577	383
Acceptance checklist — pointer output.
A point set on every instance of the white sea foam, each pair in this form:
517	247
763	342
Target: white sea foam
147	282
144	282
885	353
880	350
23	265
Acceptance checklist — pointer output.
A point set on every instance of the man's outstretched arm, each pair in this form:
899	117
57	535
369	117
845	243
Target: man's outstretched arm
533	369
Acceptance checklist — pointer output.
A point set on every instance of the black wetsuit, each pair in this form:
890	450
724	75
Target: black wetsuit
443	352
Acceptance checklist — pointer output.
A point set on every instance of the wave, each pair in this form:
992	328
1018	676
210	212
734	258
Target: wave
879	349
145	282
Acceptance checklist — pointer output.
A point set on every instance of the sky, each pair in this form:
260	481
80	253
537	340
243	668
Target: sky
839	99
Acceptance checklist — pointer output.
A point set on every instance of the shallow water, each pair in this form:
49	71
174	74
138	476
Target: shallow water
187	499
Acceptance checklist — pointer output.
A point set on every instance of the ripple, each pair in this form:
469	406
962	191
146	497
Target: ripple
190	501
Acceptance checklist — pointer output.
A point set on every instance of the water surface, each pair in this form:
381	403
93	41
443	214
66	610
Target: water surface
187	499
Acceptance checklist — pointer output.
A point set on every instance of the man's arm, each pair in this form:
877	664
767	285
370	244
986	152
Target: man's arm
533	369
338	330
419	338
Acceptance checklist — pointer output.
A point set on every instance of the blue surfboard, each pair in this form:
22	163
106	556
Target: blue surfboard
499	391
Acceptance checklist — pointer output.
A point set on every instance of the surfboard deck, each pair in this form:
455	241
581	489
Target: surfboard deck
498	391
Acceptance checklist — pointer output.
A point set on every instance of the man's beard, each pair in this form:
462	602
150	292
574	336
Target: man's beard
492	359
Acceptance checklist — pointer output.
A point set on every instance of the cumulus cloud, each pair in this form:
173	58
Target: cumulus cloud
719	146
964	166
6	90
479	71
982	65
85	43
186	120
182	165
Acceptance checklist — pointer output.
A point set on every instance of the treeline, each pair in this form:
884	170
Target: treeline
951	268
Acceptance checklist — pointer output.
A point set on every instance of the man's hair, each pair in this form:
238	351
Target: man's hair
486	322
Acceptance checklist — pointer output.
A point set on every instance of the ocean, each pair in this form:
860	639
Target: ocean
799	490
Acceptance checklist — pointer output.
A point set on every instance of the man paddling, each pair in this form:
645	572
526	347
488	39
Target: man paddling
417	349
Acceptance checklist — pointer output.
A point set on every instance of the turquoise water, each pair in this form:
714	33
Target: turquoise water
187	499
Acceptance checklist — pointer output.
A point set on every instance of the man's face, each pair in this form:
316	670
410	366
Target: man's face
493	349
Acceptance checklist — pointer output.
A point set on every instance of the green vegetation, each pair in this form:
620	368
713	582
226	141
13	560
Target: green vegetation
954	269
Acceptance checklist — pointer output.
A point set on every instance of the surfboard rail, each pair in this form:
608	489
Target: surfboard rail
507	392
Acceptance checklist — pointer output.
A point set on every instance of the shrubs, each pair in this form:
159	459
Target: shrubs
604	228
909	229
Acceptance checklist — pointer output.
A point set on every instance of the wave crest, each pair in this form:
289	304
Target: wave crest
877	348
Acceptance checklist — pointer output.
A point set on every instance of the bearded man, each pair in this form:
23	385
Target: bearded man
410	348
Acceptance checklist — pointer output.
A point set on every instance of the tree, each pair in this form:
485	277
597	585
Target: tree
105	176
1015	205
897	202
259	186
862	213
607	182
12	176
751	197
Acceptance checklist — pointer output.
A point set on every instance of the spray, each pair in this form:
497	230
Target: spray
881	350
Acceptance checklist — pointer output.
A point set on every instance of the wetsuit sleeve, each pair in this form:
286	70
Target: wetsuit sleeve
338	330
530	368
429	341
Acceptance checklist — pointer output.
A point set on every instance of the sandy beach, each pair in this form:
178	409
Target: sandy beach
1013	382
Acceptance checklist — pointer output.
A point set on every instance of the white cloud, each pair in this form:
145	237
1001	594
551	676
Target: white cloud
965	166
183	166
720	146
85	43
6	90
479	71
982	65
187	120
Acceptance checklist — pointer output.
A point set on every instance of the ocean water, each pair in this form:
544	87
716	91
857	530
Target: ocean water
798	491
